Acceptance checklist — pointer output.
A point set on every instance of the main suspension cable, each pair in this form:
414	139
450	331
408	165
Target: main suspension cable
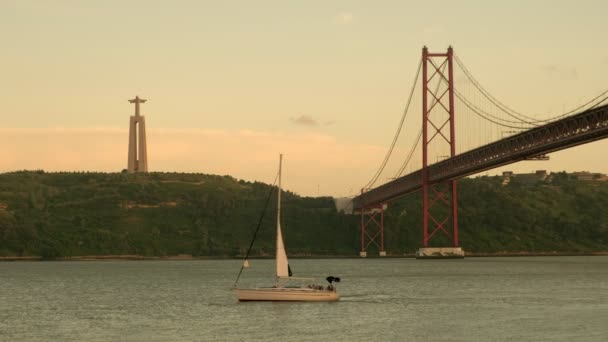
411	152
507	110
470	104
391	148
409	156
511	112
485	117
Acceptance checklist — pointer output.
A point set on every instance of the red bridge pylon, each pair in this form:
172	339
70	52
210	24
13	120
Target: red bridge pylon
372	229
438	197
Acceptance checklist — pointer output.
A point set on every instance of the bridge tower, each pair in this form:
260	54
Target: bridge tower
372	229
439	200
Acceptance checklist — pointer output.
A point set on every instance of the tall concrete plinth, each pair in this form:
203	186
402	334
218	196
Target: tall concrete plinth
138	153
440	253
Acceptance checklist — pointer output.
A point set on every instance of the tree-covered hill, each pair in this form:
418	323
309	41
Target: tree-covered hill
166	214
157	214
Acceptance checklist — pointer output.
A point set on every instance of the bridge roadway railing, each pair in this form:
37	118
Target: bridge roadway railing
570	131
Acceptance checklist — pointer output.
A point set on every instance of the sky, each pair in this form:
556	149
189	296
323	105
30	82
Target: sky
231	84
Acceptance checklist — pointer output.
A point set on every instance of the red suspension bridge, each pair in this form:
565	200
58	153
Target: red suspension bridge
484	121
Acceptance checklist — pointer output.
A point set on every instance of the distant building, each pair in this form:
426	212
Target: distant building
588	176
506	177
542	175
524	178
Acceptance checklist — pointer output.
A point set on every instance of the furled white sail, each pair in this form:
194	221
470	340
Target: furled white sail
282	265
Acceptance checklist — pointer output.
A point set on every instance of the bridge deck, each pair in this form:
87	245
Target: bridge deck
581	128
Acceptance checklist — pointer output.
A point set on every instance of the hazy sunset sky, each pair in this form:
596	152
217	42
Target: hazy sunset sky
231	84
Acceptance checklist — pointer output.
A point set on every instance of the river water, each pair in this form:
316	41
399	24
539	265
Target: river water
475	299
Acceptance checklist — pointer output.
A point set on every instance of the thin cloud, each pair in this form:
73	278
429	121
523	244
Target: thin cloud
345	18
305	120
244	154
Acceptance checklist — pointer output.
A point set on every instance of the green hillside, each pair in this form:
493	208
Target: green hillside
157	214
561	214
165	214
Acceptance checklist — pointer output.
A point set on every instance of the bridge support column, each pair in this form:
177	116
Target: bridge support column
439	200
440	253
372	229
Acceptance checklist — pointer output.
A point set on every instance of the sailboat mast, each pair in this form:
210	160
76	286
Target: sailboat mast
279	195
282	263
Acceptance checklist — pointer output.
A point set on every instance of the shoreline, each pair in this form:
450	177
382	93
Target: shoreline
186	257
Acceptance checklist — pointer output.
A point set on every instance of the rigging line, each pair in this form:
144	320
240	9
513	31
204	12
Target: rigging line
485	117
462	98
390	150
504	107
257	228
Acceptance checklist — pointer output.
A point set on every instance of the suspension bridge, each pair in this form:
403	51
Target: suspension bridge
483	121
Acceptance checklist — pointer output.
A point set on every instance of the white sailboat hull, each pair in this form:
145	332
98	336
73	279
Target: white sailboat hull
286	294
283	274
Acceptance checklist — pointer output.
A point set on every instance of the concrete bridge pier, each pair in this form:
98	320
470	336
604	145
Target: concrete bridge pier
440	253
363	254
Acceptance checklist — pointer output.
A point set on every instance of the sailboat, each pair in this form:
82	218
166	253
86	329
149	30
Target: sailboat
281	290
